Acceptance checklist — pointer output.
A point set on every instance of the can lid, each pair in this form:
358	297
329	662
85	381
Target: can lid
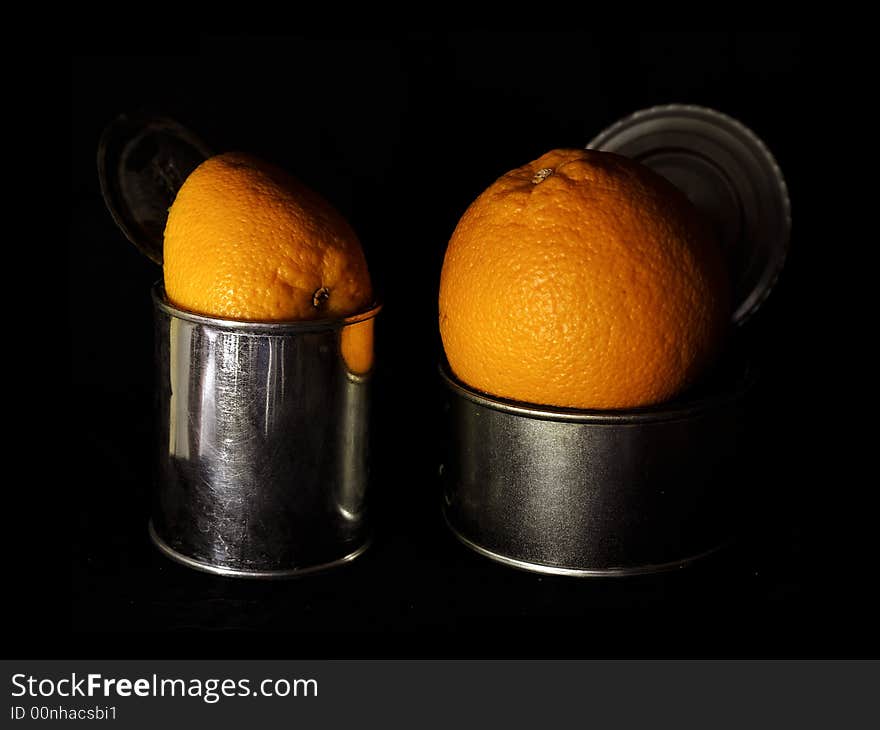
729	174
142	162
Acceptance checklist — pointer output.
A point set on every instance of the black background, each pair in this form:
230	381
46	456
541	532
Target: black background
401	132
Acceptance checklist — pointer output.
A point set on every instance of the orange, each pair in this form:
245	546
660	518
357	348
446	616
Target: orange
585	280
356	347
245	240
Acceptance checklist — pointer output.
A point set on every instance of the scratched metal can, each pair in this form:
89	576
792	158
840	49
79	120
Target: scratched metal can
262	463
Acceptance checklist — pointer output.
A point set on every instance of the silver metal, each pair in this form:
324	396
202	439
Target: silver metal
263	431
593	493
577	572
229	572
728	173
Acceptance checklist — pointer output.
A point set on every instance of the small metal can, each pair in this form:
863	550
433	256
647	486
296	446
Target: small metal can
262	465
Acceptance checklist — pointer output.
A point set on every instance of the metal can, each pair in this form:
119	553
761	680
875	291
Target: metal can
262	462
589	493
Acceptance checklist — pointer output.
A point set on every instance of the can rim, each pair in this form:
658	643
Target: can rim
668	411
161	303
170	552
532	566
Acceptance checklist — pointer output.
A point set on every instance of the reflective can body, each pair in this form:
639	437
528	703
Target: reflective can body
262	451
589	492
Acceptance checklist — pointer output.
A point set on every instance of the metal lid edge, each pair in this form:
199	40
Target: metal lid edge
740	315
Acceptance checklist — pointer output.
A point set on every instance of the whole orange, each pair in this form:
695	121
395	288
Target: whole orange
246	240
582	279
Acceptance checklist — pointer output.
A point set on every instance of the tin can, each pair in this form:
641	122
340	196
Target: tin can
592	493
600	493
262	462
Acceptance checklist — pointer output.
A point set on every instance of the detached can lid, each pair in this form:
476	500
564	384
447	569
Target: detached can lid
729	174
142	162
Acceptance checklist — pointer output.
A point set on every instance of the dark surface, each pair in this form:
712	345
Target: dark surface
401	133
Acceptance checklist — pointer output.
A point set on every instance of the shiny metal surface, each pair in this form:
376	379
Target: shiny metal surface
262	463
592	493
579	572
235	573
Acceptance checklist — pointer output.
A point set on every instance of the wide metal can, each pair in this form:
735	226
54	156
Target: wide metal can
588	492
584	492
